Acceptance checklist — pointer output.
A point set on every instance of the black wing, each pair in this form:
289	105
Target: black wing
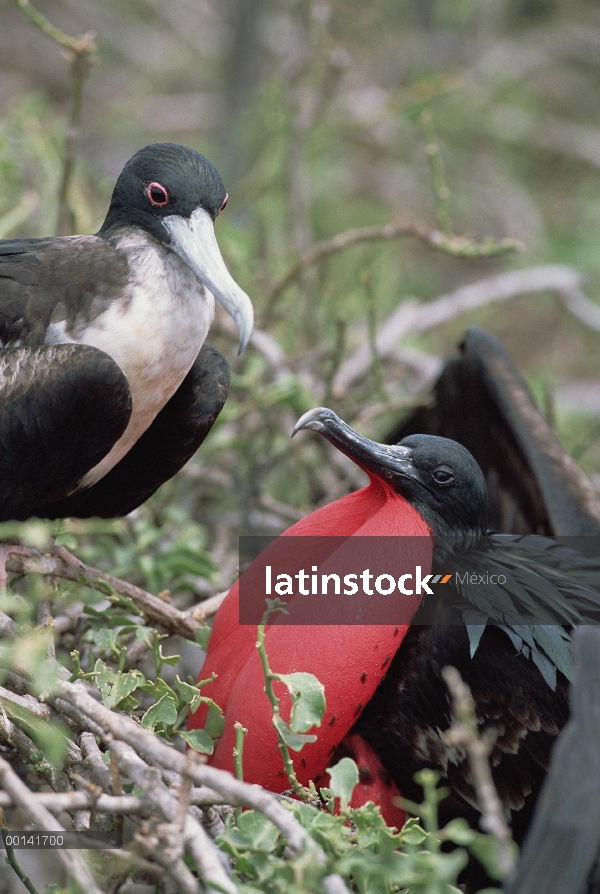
481	401
44	281
62	408
563	842
405	720
167	445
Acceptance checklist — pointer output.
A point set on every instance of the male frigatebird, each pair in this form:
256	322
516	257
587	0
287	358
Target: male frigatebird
383	685
106	389
481	401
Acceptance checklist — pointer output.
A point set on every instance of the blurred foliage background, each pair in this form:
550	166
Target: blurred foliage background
311	111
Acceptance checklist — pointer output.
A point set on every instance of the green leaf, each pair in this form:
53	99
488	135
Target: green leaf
202	636
189	694
293	740
170	660
105	678
158	688
485	849
107	639
308	700
146	634
258	830
412	833
199	740
125	684
215	721
164	711
343	778
458	831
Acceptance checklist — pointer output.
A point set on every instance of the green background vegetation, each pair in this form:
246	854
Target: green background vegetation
312	112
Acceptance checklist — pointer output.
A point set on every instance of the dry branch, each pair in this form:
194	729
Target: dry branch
458	246
206	609
37	814
153	749
80	53
414	317
463	732
171	618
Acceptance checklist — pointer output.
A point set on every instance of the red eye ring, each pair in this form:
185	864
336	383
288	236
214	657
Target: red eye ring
157	194
223	203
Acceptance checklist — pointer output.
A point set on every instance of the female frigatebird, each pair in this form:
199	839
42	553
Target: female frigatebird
106	389
387	703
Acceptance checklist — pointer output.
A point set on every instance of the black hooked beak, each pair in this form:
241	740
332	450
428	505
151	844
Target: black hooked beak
380	460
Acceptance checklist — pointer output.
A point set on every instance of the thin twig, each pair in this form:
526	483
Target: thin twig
458	246
81	63
270	692
206	609
59	802
367	281
190	831
150	746
238	753
80	53
436	168
337	356
463	732
172	619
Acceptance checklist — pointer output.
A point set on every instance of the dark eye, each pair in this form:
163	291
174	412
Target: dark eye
223	203
157	194
443	475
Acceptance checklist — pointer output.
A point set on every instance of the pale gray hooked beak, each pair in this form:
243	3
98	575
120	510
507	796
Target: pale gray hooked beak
193	239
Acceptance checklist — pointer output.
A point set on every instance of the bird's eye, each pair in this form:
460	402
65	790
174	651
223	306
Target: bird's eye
223	203
157	194
443	475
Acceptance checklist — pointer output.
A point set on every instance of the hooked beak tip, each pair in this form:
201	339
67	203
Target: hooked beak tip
193	239
245	323
312	420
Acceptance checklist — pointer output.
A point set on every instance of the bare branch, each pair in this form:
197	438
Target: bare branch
44	820
150	746
207	608
80	53
201	846
171	618
458	246
413	317
464	732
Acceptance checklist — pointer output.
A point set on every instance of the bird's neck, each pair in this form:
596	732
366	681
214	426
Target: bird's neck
393	515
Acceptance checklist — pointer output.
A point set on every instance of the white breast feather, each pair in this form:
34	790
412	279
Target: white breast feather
154	333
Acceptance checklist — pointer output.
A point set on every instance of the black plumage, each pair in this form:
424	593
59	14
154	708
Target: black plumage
164	448
534	487
48	393
518	670
105	388
560	852
481	401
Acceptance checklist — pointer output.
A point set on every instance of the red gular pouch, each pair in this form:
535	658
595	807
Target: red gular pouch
350	660
374	782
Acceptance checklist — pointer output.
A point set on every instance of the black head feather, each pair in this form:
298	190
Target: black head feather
188	179
445	485
437	476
